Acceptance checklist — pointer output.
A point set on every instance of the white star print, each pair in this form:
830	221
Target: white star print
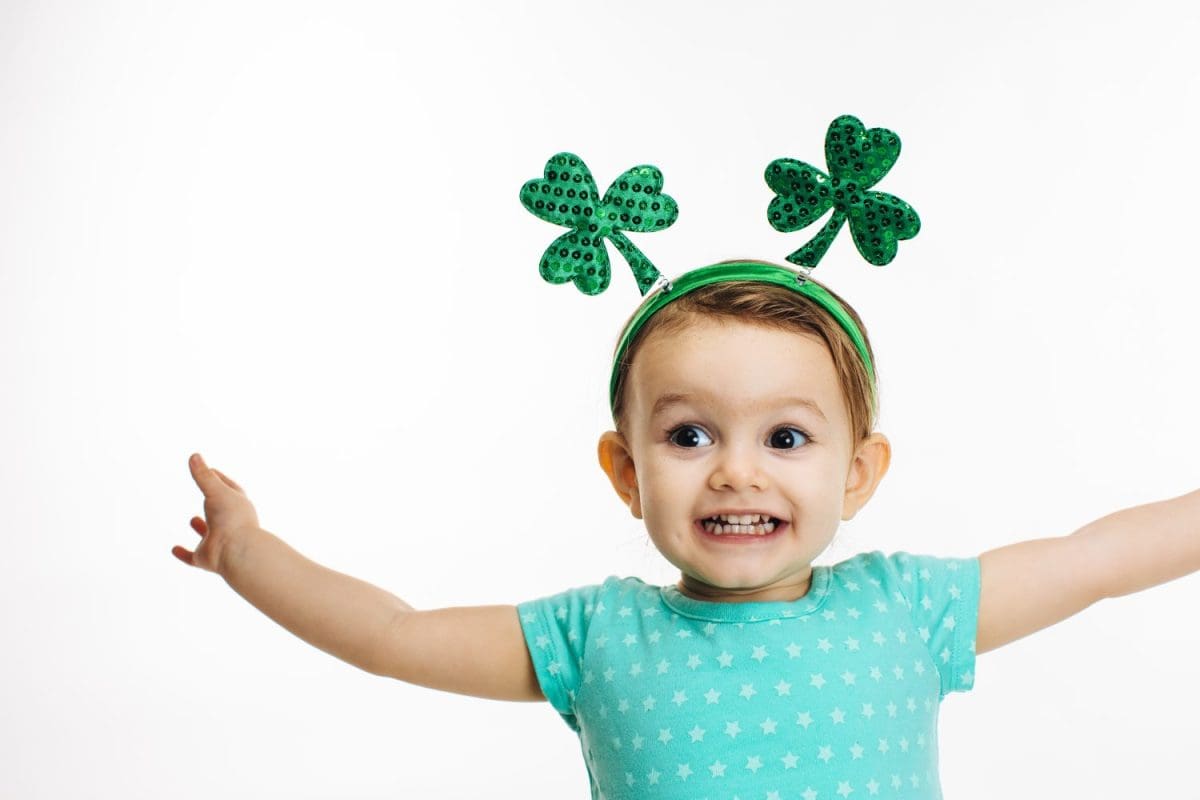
876	673
725	659
948	623
853	613
625	611
629	779
851	643
748	690
804	718
710	629
838	716
637	742
883	745
543	641
848	677
623	706
844	788
768	726
601	640
680	698
829	615
648	703
868	710
789	761
664	736
635	670
773	795
856	751
711	696
693	660
760	652
652	776
873	786
654	637
697	734
809	794
825	752
818	680
663	666
732	729
881	606
683	771
793	650
878	638
823	645
754	764
683	633
629	639
783	687
609	673
717	769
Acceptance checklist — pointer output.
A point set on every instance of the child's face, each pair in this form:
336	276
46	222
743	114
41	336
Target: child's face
716	424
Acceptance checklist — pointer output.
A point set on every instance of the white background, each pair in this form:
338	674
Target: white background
287	235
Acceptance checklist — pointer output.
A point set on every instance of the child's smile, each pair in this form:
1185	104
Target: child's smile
738	456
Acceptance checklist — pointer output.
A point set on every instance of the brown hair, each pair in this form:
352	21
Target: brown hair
777	307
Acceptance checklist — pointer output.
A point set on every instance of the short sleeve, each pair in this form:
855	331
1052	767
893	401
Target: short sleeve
556	629
943	598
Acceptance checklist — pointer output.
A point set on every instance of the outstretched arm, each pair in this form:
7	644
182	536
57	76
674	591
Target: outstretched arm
1028	586
475	650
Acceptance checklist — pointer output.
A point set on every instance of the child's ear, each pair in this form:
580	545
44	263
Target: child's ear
616	459
868	465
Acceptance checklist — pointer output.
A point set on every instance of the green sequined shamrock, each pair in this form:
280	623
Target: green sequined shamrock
858	159
567	196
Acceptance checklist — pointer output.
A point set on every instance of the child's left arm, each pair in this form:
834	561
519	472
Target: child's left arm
1027	586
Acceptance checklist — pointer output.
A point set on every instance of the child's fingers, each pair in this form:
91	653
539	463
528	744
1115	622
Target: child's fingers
229	480
183	555
199	525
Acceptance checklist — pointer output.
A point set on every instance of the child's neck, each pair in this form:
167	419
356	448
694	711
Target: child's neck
784	591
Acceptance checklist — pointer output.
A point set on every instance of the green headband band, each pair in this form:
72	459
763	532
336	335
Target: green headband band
857	159
739	271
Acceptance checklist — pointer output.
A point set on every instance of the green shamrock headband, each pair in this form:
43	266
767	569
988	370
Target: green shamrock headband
857	159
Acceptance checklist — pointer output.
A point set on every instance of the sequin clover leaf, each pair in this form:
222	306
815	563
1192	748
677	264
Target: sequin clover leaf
858	158
567	196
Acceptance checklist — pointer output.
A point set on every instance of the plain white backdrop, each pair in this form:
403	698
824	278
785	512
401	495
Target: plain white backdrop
288	236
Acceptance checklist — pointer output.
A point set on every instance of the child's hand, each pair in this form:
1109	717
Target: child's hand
229	512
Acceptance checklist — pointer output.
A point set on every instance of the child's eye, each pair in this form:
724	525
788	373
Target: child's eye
786	438
688	436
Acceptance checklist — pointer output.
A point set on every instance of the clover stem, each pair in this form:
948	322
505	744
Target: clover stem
812	252
644	272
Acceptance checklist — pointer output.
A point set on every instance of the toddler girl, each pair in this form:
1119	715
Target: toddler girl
744	433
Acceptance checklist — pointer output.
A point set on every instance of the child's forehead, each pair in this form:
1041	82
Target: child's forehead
750	365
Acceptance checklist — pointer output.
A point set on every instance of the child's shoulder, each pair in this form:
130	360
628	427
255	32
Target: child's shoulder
899	567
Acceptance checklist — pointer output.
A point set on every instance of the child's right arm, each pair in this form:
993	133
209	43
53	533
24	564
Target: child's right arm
475	650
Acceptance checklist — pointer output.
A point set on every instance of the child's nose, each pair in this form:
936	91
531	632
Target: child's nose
738	468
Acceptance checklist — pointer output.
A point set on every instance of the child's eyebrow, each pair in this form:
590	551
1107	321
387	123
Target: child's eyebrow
665	401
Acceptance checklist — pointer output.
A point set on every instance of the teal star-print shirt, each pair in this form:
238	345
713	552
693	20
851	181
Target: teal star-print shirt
831	695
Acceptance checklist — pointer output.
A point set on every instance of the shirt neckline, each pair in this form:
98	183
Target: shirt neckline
717	611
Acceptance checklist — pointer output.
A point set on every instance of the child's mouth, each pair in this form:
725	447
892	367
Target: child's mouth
743	528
